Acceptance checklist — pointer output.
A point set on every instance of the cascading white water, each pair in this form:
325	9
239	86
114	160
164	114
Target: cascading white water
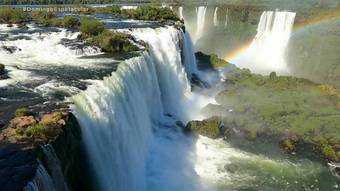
216	23
41	181
127	125
180	12
174	85
189	57
54	167
127	7
200	22
36	50
226	18
267	51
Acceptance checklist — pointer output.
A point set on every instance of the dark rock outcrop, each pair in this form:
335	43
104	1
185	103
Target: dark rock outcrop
3	73
17	167
10	49
20	152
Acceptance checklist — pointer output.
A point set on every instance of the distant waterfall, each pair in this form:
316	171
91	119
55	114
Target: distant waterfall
180	12
226	19
267	51
216	17
121	119
200	22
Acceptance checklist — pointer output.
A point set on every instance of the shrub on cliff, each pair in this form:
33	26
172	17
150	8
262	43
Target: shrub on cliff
217	62
212	61
36	130
208	127
22	112
329	153
113	41
281	106
12	16
116	10
70	22
91	27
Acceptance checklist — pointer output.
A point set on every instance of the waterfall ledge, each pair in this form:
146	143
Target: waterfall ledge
54	161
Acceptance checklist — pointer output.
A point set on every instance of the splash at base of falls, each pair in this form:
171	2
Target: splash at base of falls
267	51
221	166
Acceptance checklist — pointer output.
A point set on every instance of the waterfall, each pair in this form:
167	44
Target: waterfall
267	51
189	56
54	166
226	18
180	12
42	181
200	11
127	120
215	17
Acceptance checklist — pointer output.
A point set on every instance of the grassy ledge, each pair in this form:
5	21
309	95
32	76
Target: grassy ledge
300	114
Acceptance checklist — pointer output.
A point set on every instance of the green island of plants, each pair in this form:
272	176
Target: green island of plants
298	112
94	32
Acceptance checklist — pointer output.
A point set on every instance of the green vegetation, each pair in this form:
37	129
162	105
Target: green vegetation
209	127
211	61
217	62
296	111
35	131
22	112
44	2
91	27
113	41
38	132
45	18
70	22
109	41
288	145
284	106
151	12
114	9
12	16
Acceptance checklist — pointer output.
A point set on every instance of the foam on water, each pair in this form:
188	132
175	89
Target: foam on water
39	51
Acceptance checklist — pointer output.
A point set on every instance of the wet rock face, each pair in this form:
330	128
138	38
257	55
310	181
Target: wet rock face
10	49
22	139
79	45
17	167
3	74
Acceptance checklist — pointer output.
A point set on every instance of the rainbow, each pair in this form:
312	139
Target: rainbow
318	18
